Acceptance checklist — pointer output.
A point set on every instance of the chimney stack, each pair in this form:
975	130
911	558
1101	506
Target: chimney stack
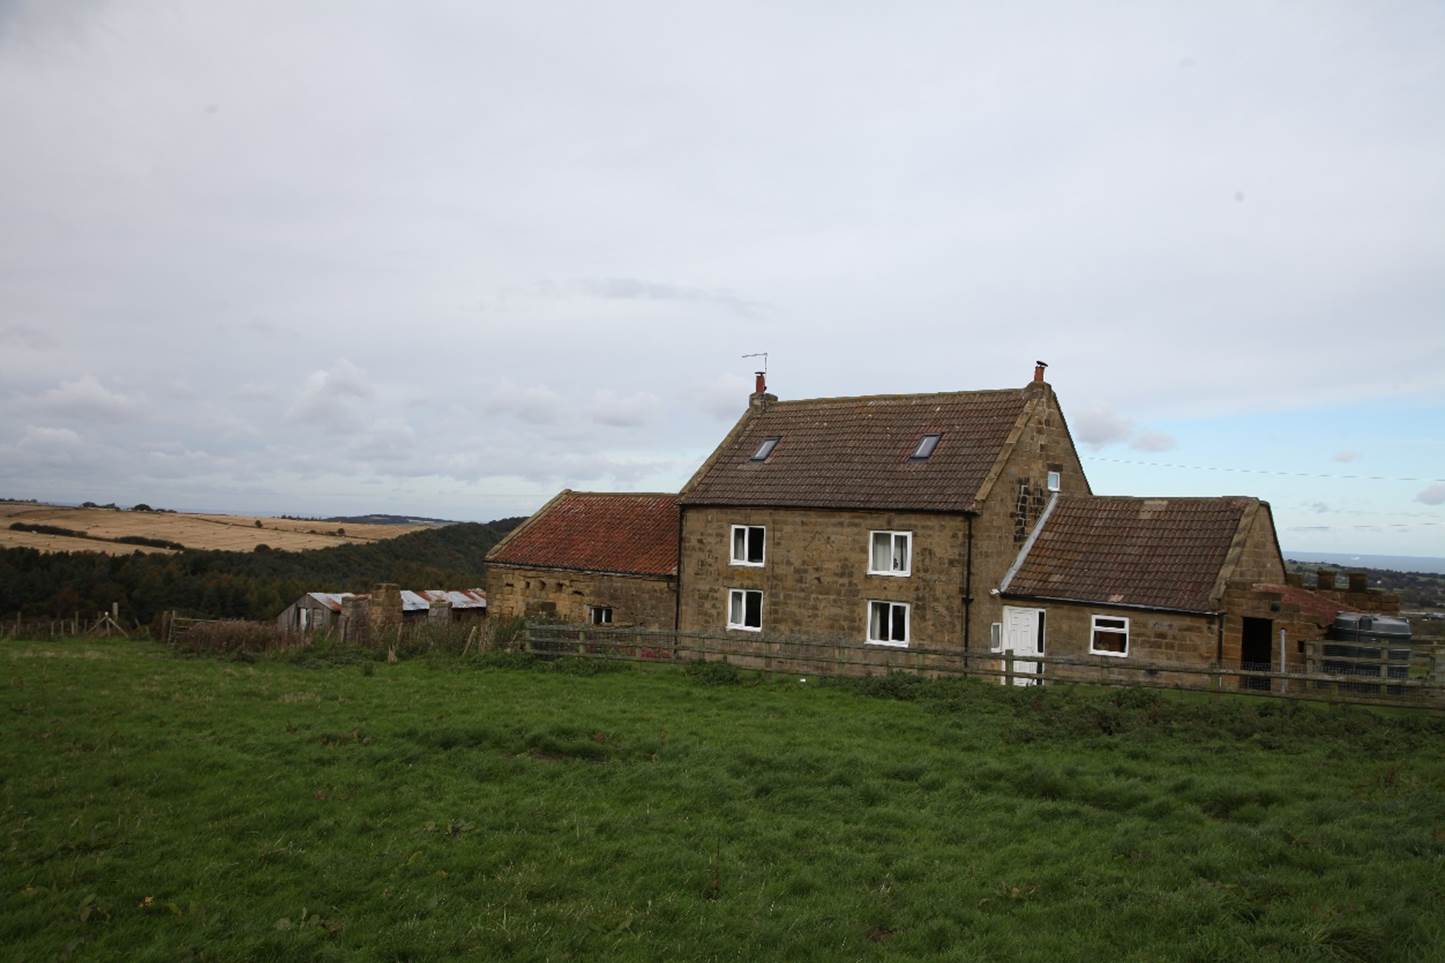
1039	367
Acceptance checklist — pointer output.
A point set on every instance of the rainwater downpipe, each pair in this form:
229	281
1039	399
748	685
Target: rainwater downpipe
967	589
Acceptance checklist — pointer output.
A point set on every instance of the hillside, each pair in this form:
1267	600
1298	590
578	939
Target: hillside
255	584
56	528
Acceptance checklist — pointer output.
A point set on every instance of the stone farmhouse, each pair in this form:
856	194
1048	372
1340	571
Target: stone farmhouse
958	521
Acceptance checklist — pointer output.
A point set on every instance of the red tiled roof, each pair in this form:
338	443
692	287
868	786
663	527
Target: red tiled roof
855	452
1161	553
1312	605
632	534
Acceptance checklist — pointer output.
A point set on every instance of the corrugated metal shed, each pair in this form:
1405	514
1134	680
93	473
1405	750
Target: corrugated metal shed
332	600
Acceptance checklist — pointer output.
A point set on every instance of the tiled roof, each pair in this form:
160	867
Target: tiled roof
856	452
632	534
1160	553
1312	605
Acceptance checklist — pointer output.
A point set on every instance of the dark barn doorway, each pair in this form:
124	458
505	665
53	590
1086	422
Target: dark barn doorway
1254	651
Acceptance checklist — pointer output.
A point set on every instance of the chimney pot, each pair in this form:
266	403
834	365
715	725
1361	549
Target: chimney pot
761	387
1039	367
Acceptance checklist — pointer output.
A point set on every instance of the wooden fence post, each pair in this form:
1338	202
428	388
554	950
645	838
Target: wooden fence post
1008	667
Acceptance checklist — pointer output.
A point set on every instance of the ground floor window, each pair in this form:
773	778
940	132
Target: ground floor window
599	614
745	609
1109	636
888	623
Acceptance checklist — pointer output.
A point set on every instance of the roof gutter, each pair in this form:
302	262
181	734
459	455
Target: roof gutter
1112	605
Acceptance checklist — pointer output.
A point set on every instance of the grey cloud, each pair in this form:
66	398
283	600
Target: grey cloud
1434	495
29	336
1345	456
1152	441
623	411
635	289
1098	427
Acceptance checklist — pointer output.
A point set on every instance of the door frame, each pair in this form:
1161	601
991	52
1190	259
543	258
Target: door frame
1038	642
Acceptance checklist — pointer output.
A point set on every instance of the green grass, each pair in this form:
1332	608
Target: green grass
155	807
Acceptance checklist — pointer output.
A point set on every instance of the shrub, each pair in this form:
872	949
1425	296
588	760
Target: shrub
232	636
713	673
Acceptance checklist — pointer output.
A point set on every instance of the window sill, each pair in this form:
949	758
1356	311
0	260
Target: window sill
744	628
1112	655
747	564
890	574
890	645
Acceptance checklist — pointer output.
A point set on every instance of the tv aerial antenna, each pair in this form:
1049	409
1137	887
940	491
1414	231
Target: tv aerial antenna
760	354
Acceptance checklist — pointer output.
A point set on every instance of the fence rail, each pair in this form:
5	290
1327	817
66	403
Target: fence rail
1420	681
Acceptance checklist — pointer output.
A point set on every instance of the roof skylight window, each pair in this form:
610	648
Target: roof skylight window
926	444
765	449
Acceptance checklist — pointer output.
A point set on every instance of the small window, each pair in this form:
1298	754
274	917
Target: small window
765	449
1110	636
749	544
1053	481
926	444
995	637
888	623
599	614
890	553
745	609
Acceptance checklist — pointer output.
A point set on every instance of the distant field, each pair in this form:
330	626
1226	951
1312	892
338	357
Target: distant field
164	808
219	532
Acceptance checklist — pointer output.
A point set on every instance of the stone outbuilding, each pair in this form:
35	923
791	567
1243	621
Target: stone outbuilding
1148	580
600	558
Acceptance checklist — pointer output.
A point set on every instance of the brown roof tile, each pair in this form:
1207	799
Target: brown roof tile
855	452
1161	553
633	534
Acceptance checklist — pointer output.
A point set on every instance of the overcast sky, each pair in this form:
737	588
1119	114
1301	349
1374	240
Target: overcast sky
447	258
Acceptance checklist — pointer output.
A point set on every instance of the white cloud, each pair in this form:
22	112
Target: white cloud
1434	495
333	398
1345	456
85	397
48	438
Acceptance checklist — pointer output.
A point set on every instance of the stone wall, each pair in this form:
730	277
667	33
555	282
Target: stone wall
815	580
563	595
1018	495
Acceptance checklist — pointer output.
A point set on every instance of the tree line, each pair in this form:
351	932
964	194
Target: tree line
246	585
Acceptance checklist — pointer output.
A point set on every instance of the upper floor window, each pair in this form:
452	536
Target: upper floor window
926	444
1109	636
765	449
599	614
890	553
745	609
749	544
1054	480
888	623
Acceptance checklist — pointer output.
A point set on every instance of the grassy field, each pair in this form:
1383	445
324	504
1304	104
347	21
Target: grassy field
156	807
234	533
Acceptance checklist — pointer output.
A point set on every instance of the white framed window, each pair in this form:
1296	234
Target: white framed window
1109	635
1054	480
888	623
599	614
749	545
890	553
995	637
745	609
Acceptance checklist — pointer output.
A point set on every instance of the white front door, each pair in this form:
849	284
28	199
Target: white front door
1023	631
